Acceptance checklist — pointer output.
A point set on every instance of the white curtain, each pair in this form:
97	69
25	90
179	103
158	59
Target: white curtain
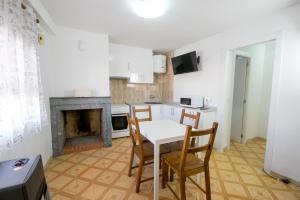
22	109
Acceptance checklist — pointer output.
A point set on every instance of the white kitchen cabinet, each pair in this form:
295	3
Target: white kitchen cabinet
156	112
119	62
131	62
171	112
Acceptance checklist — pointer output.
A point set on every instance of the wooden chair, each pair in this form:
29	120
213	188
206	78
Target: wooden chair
196	118
146	111
185	163
142	110
143	151
177	146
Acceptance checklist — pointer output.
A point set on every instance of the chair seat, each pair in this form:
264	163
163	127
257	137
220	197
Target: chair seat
149	151
193	165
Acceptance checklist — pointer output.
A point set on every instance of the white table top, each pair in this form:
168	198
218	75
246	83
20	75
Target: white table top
162	131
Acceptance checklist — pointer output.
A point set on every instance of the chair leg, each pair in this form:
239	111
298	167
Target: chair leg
182	188
207	183
171	175
130	162
165	174
139	176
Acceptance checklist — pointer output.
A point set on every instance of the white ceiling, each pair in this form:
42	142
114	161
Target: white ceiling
185	21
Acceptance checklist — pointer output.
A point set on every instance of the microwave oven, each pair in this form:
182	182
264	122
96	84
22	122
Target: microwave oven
192	102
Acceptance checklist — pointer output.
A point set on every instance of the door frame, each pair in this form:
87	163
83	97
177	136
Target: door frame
236	53
272	121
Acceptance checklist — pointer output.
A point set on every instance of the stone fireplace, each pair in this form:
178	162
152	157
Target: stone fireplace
79	119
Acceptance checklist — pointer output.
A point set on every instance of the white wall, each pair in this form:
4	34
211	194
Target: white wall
216	80
205	82
286	159
258	93
74	69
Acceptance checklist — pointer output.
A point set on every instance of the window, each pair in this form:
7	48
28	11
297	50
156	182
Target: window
22	109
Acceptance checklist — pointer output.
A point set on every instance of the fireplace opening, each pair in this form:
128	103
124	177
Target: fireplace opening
81	129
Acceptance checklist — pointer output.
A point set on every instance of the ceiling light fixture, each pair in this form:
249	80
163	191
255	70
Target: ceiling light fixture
149	8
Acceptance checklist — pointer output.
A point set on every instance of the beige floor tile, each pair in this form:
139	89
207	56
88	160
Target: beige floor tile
243	168
113	155
53	162
115	194
284	195
125	181
59	182
138	197
103	163
89	152
94	192
75	187
121	149
248	155
50	175
107	177
90	160
213	173
273	183
77	158
61	197
238	160
91	173
215	186
228	176
251	179
259	193
118	166
224	165
125	158
235	189
221	157
76	170
62	167
101	153
65	157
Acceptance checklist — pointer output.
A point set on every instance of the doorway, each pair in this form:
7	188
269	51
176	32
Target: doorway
252	91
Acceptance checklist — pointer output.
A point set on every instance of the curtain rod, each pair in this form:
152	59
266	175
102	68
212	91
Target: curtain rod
23	6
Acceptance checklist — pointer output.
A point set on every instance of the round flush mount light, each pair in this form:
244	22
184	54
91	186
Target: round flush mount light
149	8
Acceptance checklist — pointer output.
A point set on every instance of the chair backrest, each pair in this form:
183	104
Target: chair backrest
135	133
195	117
142	110
190	149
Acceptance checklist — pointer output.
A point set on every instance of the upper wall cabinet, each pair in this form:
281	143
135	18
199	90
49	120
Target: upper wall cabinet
135	64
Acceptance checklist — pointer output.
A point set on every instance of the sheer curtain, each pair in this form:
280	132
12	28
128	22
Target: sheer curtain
22	109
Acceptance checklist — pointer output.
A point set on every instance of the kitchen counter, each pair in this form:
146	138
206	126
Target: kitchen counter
176	104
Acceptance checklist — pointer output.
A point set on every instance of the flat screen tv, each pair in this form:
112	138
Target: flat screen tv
185	63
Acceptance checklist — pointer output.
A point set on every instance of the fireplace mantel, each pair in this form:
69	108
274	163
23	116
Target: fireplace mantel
60	104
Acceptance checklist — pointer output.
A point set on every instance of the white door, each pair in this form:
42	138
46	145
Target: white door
239	98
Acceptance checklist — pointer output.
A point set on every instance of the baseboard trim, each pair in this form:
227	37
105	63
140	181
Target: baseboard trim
276	175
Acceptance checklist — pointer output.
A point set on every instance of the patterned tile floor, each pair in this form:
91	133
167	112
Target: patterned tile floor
102	174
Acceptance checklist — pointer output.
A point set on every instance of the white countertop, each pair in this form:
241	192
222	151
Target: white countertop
209	109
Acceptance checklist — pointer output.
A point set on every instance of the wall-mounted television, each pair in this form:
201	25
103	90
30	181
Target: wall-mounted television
185	63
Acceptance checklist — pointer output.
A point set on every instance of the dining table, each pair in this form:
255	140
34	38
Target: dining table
161	132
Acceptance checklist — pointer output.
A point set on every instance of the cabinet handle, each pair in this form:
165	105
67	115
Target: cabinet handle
128	67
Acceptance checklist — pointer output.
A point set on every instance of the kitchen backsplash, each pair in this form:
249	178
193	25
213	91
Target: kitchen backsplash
161	90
